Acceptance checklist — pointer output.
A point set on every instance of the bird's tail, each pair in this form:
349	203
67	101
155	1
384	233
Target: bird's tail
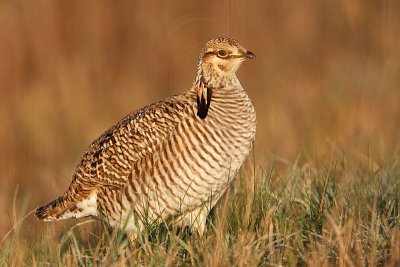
52	211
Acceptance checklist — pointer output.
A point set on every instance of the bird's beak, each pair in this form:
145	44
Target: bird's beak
250	55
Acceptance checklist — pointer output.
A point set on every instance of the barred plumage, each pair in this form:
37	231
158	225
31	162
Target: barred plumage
175	157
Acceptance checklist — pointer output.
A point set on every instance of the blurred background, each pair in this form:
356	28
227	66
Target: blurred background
326	80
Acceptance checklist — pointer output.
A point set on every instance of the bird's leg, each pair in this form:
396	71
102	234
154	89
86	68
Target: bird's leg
132	236
196	220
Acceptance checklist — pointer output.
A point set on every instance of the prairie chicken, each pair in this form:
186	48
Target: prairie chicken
174	158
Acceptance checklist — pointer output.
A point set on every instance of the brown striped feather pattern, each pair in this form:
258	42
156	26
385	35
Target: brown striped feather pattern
173	158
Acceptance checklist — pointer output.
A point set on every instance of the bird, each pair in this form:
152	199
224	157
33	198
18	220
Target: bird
174	158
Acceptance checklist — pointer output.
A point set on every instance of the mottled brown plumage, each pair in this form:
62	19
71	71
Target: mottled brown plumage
175	157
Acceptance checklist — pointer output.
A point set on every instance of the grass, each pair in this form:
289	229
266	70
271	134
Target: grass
327	76
341	212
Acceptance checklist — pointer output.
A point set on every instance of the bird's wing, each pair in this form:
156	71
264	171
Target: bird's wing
109	159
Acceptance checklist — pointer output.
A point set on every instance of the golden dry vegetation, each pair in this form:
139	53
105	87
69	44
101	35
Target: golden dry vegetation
325	84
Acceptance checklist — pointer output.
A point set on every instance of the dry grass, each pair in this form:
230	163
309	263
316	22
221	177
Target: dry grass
342	213
326	89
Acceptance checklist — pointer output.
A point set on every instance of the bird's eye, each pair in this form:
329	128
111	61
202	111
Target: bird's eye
222	53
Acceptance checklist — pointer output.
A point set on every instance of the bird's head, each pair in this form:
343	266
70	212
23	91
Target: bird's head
221	58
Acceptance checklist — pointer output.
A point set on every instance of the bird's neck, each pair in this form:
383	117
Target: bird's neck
211	78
